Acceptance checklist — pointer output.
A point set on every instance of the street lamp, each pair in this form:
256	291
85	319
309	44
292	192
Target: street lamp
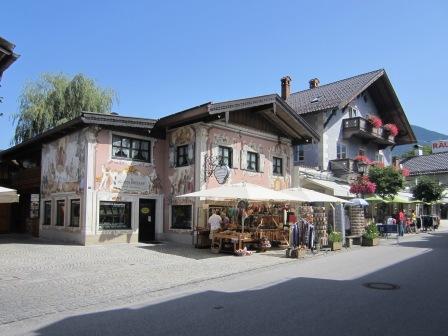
362	167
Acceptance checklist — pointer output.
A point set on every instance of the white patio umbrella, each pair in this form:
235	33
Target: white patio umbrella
8	195
244	190
309	195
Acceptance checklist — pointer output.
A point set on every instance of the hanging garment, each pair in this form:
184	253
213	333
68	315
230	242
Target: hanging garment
295	234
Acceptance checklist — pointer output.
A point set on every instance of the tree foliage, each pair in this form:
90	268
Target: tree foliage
389	181
427	190
411	153
54	99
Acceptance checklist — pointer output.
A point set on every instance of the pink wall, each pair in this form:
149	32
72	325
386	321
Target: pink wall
241	140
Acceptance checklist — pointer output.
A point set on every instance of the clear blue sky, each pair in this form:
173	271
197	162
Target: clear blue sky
162	57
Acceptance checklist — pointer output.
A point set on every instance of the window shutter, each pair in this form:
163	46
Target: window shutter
191	153
285	163
243	157
171	156
261	161
296	153
234	158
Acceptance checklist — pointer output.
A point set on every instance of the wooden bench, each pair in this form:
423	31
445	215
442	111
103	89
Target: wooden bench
349	240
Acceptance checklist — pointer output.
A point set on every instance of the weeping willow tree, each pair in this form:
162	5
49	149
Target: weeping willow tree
55	99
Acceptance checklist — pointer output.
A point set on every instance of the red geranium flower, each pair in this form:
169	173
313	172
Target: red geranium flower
375	121
392	129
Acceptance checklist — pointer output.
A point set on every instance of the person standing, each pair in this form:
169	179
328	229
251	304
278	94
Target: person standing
401	219
214	222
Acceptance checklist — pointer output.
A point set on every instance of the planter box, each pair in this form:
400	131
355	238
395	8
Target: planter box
370	242
336	246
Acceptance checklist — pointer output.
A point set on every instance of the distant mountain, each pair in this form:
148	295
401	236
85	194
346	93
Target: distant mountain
424	137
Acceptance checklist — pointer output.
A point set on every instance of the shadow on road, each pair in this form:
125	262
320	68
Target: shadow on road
299	306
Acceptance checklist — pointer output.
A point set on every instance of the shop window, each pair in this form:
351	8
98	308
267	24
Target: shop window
225	156
253	161
341	151
75	210
277	165
115	215
47	213
181	217
132	149
182	156
60	212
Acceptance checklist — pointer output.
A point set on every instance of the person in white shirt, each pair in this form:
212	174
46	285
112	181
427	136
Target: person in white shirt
214	221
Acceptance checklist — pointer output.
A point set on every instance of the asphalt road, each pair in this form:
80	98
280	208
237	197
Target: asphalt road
318	296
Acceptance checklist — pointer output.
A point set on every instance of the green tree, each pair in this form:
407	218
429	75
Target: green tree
389	181
427	190
54	99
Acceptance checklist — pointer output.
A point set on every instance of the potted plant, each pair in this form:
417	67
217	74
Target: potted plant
392	129
375	121
335	239
370	237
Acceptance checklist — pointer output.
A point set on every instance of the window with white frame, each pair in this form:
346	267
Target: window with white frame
352	112
60	212
47	213
181	217
341	151
253	161
379	157
115	215
225	156
277	166
75	211
130	148
299	153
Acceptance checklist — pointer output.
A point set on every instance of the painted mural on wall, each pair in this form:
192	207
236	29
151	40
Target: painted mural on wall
125	176
241	144
128	179
63	164
180	179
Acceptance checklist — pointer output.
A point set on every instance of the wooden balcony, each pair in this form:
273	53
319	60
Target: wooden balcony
343	166
361	128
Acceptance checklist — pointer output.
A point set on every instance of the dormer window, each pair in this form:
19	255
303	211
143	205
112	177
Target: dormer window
352	112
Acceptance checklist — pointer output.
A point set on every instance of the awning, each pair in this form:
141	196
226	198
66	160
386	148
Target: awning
338	189
8	195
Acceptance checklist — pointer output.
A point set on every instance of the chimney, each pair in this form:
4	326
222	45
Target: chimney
418	150
286	86
314	83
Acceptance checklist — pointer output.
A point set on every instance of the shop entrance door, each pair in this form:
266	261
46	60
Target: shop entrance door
147	220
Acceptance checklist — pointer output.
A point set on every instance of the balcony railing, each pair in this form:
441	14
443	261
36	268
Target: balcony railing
360	127
342	166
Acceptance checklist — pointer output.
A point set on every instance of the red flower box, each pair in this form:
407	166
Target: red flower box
363	159
392	129
363	186
375	121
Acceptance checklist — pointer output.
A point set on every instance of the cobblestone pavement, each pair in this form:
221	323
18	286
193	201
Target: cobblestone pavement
38	278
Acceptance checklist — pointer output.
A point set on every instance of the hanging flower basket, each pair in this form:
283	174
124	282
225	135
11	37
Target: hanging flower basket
363	186
392	129
375	121
363	159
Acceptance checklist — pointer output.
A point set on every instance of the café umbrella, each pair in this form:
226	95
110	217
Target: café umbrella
8	195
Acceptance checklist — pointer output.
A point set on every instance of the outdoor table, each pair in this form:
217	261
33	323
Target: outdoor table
237	239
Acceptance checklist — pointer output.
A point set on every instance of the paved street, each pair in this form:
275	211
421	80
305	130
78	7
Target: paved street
173	290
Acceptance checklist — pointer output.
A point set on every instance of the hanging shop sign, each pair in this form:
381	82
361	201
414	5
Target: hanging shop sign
439	146
222	174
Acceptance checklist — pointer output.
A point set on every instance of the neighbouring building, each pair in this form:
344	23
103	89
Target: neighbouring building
108	178
432	165
7	55
340	114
